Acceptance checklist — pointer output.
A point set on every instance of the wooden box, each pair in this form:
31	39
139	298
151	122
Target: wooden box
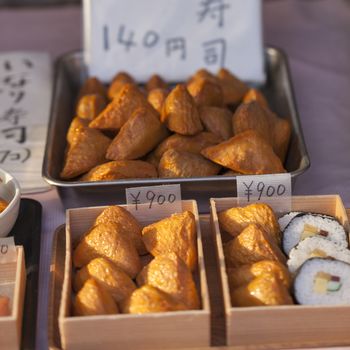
12	284
283	326
181	329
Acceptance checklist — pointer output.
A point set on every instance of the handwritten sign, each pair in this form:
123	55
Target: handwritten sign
160	201
275	190
8	251
173	38
25	98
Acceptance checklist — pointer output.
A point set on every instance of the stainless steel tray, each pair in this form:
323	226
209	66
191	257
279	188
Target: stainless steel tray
71	72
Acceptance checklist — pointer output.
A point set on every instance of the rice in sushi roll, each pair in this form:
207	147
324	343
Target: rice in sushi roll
308	225
284	220
323	282
316	247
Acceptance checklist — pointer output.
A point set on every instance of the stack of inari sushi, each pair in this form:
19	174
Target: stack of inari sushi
300	257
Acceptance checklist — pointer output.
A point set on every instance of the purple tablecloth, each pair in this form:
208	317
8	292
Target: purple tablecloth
316	36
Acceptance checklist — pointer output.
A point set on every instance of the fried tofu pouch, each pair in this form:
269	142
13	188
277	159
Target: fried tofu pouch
255	95
185	164
90	106
247	153
206	93
138	136
274	130
122	107
108	276
180	113
246	273
193	144
253	244
149	299
118	82
121	169
156	82
236	219
127	223
217	120
108	241
93	300
251	116
171	275
92	85
156	98
233	88
86	149
176	234
263	290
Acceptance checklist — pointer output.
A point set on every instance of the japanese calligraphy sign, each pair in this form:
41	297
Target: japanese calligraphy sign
25	97
160	201
274	189
173	38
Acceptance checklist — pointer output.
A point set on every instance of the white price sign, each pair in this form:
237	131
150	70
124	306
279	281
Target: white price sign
161	201
173	38
275	190
8	251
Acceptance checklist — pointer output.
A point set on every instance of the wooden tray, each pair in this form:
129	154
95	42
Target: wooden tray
218	334
27	232
13	279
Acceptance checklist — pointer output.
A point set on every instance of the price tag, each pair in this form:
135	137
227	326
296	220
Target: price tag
8	251
275	190
173	38
160	201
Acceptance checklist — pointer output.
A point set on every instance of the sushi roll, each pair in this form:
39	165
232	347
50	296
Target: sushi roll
284	220
308	225
323	282
316	247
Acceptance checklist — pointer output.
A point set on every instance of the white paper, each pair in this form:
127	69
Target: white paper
25	98
158	201
173	38
8	251
274	189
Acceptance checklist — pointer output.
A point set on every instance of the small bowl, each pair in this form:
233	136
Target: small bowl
11	193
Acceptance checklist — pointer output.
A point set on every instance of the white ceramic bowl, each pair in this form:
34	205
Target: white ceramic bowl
11	193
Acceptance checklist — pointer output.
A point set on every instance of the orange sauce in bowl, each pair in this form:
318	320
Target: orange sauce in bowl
3	205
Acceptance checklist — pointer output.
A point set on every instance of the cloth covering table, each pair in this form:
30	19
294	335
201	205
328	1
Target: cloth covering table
314	34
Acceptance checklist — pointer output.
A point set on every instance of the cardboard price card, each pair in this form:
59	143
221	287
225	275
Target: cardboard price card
274	189
173	38
159	200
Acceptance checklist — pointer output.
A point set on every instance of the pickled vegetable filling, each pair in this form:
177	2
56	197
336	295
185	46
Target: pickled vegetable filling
310	231
325	282
3	205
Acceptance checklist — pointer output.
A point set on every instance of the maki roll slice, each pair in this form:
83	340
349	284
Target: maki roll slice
309	225
323	282
316	247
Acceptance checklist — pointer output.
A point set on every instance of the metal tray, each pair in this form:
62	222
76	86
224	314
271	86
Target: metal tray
27	232
71	72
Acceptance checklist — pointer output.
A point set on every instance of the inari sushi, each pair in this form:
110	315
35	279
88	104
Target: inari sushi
323	282
308	225
316	247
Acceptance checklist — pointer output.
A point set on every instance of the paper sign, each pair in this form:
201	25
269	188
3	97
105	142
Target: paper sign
275	190
25	98
163	200
173	38
8	251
